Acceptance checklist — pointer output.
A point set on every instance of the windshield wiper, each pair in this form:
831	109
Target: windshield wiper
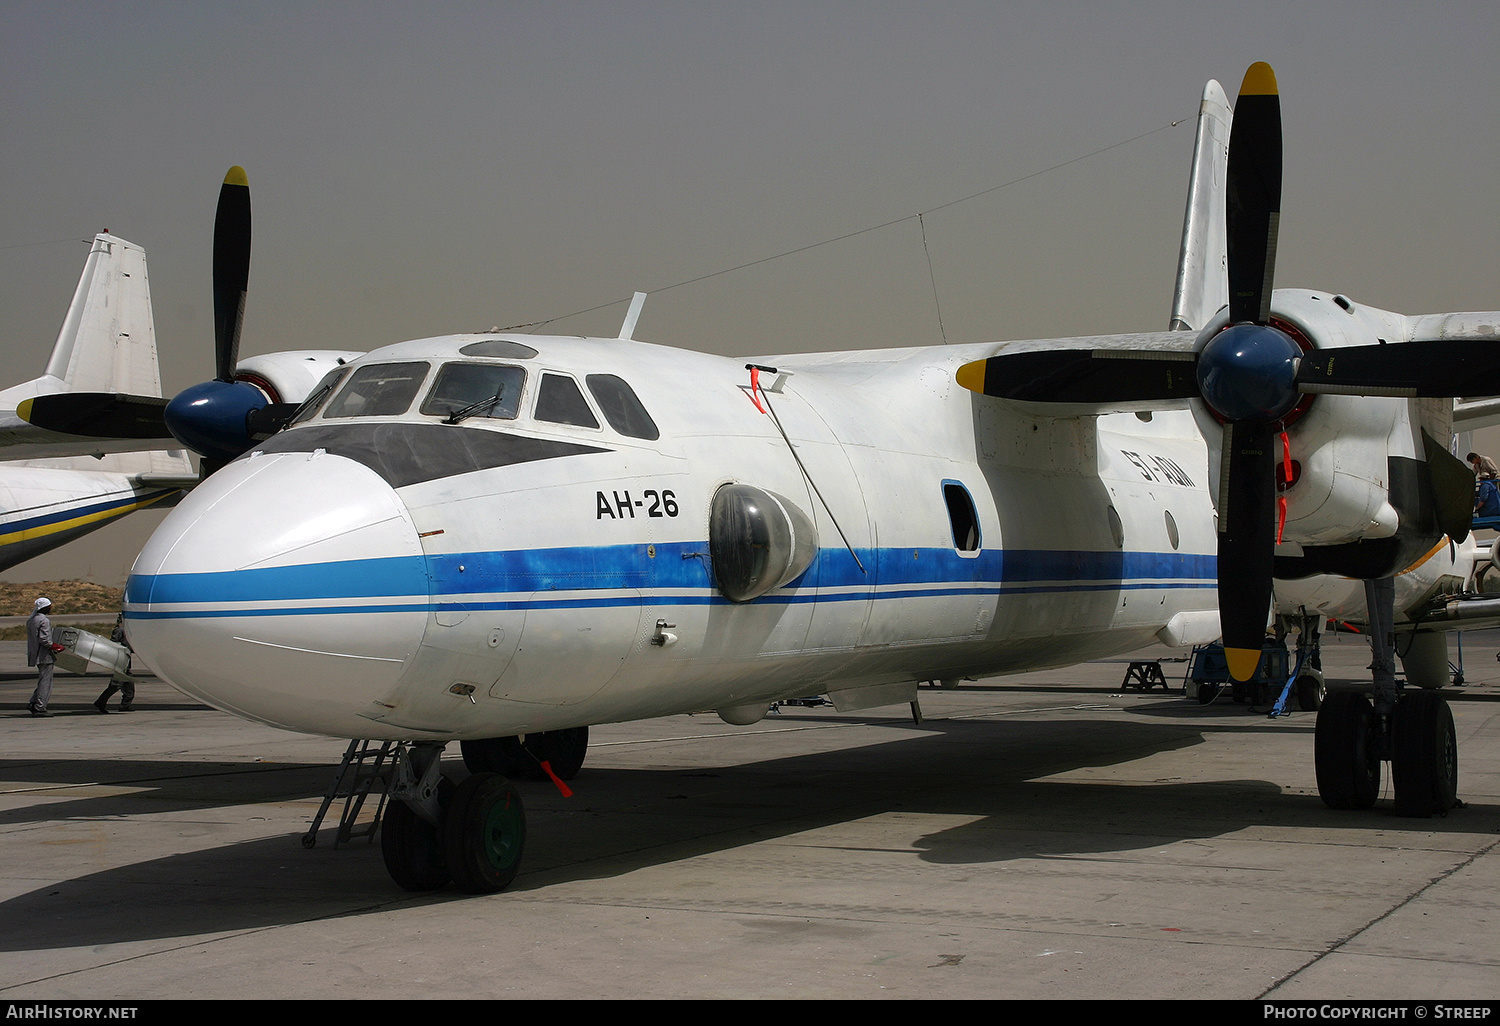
473	408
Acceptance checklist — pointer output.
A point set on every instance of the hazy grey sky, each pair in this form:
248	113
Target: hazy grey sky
417	169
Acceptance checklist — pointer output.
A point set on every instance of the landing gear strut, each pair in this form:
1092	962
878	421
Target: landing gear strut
434	832
1414	732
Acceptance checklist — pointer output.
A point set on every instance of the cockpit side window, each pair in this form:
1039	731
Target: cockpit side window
378	390
318	396
475	390
621	407
560	401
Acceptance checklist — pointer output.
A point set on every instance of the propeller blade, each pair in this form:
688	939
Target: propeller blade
1442	368
231	270
212	418
96	414
1084	375
1247	541
1253	208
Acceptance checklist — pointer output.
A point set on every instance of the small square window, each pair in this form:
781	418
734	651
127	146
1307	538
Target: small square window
621	407
560	401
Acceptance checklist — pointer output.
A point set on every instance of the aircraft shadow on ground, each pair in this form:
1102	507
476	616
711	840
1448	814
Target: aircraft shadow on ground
158	787
1000	779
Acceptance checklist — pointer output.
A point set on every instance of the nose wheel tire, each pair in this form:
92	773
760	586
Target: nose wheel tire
1311	692
484	833
1424	755
412	847
1346	753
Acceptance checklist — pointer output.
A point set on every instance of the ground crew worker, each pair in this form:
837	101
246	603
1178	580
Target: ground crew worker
41	653
127	700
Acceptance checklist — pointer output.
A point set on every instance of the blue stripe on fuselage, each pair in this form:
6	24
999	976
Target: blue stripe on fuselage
443	581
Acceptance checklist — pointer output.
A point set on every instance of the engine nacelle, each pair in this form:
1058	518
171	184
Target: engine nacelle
1355	471
218	419
291	377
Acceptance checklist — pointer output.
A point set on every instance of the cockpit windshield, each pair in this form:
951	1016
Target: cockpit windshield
378	390
475	390
318	396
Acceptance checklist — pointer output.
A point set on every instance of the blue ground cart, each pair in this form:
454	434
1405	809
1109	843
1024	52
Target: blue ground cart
1210	675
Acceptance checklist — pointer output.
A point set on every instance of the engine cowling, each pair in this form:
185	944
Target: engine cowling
1355	472
217	418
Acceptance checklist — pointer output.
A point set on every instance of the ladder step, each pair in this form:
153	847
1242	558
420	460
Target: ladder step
363	770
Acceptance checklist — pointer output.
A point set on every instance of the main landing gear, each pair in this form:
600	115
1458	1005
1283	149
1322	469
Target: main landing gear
522	757
1416	736
1412	731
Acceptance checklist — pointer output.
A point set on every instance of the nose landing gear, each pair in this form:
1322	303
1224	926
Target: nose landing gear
484	833
433	832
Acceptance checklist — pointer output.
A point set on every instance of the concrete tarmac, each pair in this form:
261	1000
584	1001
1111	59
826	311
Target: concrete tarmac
1045	835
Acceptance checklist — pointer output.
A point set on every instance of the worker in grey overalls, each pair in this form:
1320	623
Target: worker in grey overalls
41	653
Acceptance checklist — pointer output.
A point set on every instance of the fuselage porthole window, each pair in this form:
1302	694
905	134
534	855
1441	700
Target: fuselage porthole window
622	408
1116	526
962	516
378	390
559	400
464	390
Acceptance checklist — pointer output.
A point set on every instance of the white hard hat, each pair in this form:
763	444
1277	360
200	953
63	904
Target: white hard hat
40	604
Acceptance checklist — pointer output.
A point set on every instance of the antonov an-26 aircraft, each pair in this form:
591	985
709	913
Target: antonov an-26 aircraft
501	538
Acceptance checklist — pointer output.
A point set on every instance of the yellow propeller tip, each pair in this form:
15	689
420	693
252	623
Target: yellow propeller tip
1260	80
1242	662
236	176
23	410
971	376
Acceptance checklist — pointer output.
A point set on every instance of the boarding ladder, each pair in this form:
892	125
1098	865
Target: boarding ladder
363	770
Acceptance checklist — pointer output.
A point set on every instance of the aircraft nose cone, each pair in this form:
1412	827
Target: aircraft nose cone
289	588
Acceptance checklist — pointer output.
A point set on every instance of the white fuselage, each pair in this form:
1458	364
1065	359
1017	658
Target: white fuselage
400	577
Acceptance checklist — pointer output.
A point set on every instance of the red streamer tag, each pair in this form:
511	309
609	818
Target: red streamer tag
1286	475
567	792
755	387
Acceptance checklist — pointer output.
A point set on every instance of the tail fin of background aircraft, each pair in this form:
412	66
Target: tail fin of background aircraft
107	344
108	339
1202	264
